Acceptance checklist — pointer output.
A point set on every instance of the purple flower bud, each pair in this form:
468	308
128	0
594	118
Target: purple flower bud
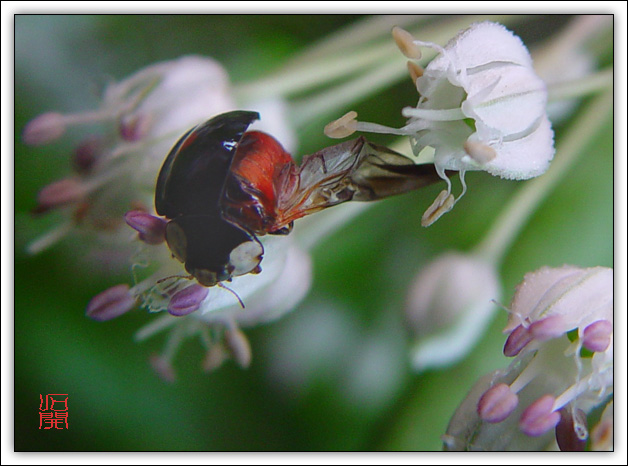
516	341
43	129
111	303
187	300
539	417
497	403
151	229
597	336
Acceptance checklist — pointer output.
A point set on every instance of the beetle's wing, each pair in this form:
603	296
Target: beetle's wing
354	170
191	179
212	249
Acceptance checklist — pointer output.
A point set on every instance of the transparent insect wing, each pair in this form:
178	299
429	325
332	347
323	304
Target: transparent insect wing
354	170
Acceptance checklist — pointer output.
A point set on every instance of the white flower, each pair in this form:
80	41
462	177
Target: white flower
481	107
449	306
561	334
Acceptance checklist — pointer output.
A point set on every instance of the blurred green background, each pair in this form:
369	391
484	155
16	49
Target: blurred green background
349	387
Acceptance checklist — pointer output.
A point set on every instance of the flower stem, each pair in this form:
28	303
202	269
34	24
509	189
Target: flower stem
590	84
520	208
341	58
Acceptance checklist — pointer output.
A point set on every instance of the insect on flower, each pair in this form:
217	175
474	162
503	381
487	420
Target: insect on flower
221	186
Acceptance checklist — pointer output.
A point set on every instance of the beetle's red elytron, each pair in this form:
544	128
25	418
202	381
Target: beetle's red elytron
221	186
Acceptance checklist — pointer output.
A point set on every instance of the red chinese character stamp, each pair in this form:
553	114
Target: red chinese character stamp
53	411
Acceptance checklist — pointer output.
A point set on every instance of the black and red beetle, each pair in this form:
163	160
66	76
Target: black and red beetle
221	186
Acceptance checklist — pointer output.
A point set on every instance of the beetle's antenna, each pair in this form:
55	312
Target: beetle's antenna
232	292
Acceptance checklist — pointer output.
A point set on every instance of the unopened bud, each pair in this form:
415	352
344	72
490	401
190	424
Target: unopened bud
61	192
44	129
597	336
539	417
497	403
449	304
111	303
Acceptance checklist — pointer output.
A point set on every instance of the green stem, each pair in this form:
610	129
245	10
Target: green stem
337	60
520	208
581	87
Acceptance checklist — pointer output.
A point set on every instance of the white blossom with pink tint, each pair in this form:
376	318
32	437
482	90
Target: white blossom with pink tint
561	335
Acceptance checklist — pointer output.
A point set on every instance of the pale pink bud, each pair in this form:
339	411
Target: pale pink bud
61	192
597	336
547	329
539	417
497	403
111	303
43	129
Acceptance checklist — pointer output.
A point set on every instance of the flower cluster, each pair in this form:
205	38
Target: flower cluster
560	333
113	187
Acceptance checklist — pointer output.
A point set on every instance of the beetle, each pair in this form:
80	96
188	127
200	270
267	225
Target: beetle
221	187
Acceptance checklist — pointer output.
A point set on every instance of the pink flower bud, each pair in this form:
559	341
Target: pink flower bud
61	192
43	129
539	417
497	403
548	328
597	336
111	303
